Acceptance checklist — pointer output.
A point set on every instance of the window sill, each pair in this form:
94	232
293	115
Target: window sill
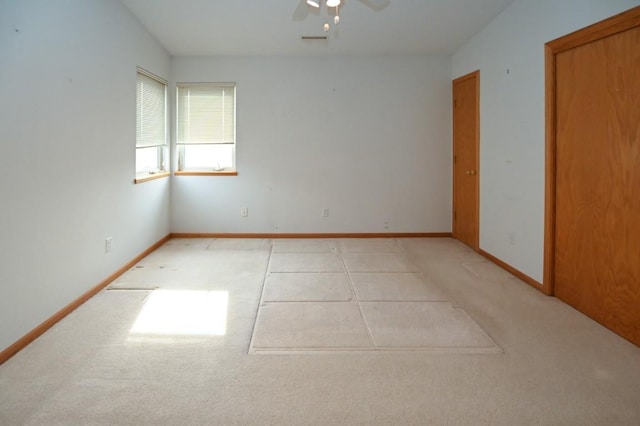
206	173
153	176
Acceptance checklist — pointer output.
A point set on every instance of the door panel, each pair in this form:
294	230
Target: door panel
597	218
465	156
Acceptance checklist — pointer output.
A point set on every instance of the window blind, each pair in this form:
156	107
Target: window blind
206	114
150	112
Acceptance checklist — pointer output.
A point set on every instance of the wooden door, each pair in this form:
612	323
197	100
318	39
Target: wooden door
465	158
597	180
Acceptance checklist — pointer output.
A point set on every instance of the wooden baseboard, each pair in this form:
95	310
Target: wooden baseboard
50	322
317	235
524	277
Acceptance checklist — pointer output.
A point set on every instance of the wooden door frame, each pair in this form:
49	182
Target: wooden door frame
616	24
476	237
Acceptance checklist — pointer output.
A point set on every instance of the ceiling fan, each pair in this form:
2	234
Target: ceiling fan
333	8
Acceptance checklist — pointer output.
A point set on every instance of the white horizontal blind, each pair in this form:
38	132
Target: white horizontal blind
206	114
150	112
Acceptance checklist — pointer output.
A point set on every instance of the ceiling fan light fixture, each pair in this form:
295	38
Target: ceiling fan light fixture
329	4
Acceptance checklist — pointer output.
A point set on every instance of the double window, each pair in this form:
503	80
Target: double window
206	127
151	126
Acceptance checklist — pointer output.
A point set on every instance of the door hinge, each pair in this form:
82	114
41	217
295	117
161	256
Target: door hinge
455	158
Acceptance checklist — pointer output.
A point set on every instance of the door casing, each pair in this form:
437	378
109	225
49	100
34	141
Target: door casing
618	23
610	294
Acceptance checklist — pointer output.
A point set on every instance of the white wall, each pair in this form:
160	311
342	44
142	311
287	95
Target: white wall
67	129
367	137
509	53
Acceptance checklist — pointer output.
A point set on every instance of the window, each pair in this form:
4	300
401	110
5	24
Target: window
206	127
151	126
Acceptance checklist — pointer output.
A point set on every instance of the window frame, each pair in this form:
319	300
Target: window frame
181	147
162	150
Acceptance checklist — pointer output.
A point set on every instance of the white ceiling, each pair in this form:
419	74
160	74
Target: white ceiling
275	27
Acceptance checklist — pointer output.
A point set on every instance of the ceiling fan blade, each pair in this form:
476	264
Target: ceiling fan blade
376	5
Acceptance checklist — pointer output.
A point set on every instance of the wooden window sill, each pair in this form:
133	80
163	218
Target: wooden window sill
206	173
153	176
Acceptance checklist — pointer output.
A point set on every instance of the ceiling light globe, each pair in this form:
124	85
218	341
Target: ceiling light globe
336	19
326	27
314	3
333	3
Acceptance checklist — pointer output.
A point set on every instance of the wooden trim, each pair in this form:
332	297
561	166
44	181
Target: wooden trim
50	322
610	26
550	172
206	173
466	76
151	177
315	235
618	23
524	277
477	233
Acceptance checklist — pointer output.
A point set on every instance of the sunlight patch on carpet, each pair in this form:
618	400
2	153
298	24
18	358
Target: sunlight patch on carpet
183	313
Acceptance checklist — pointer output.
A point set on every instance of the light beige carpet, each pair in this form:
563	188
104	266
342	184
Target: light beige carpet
197	264
356	295
179	354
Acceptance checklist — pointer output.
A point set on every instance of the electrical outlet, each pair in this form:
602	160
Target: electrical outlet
325	212
244	212
107	245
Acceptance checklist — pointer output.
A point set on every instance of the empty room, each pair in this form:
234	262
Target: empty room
338	212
